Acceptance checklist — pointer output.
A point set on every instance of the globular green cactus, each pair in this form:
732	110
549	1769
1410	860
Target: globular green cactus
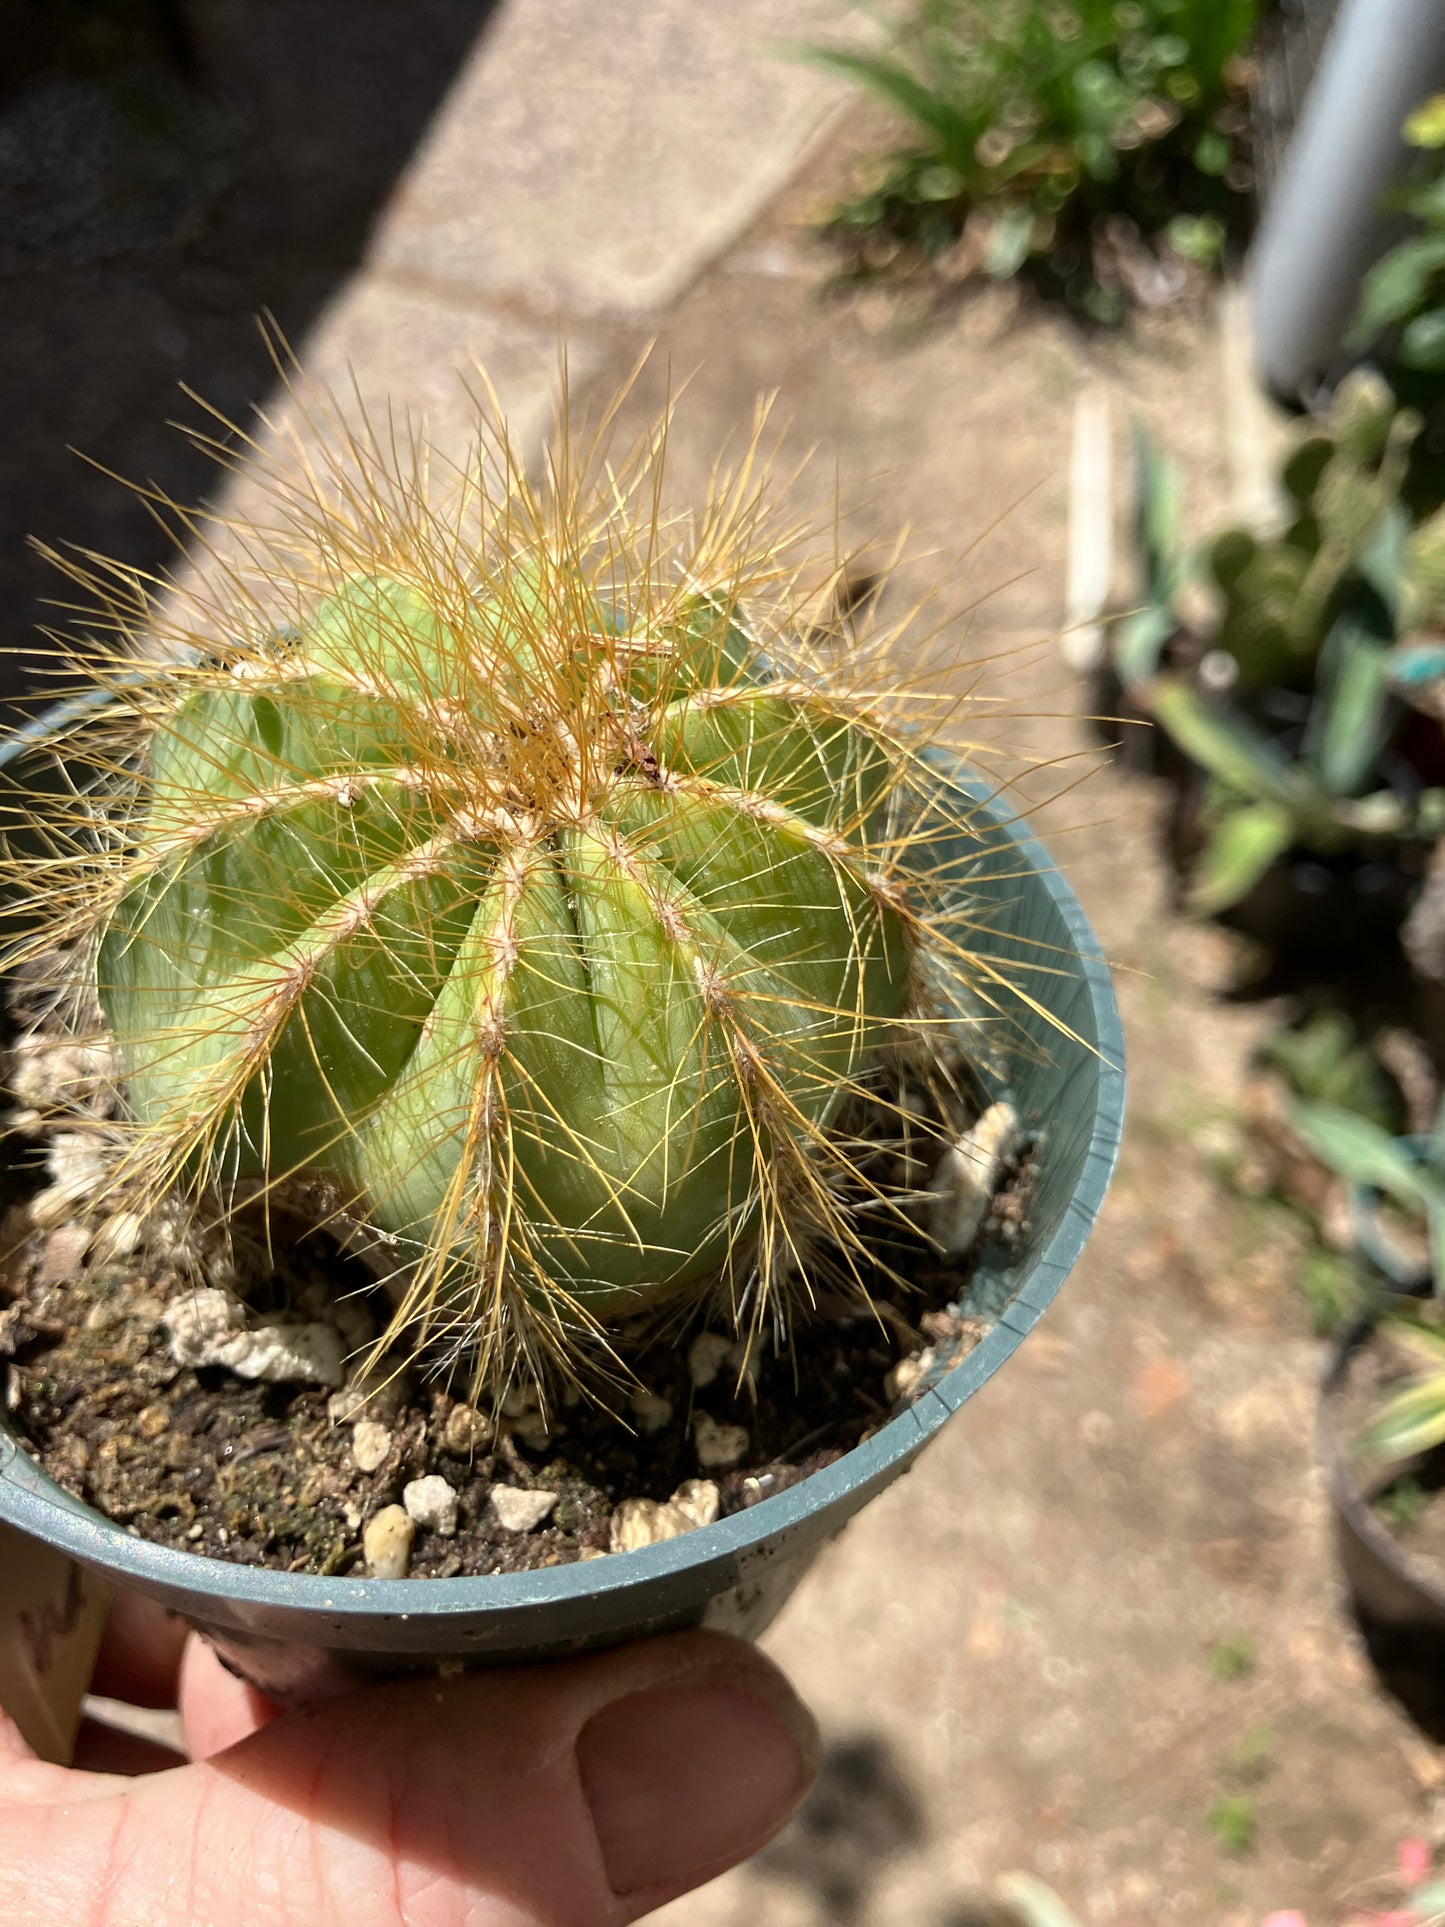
484	872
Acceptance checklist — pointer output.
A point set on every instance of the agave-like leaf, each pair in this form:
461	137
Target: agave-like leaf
1350	721
1242	846
1425	1341
1395	287
1158	493
1225	744
1422	343
1035	1904
1411	1423
1361	1153
1139	641
1324	1060
1383	561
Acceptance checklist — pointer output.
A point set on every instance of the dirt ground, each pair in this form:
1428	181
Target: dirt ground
1100	1622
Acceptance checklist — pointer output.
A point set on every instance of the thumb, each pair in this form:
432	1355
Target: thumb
579	1794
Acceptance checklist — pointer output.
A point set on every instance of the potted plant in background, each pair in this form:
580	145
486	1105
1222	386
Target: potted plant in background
1293	680
1400	322
524	1040
1382	1423
1293	671
1382	1415
1102	154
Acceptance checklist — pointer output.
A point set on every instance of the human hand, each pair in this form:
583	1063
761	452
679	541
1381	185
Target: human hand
577	1794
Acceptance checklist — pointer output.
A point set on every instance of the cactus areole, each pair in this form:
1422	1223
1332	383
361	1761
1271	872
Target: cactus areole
537	940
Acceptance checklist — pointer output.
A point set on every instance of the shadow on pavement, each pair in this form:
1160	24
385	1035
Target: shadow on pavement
1407	1662
168	170
862	1813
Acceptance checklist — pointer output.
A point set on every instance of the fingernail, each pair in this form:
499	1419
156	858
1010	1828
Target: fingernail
684	1779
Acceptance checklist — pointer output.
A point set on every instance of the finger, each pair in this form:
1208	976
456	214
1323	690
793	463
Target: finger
580	1793
573	1795
26	1781
23	1775
217	1709
14	1747
140	1652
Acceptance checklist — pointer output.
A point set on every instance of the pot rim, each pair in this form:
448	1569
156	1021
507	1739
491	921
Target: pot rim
32	1503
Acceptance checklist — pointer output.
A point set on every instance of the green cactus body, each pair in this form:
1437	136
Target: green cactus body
1281	594
550	947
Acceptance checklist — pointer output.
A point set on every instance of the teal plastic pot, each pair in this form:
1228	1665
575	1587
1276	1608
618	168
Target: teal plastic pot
292	1634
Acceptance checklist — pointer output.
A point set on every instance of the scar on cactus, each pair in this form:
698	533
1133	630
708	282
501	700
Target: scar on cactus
503	874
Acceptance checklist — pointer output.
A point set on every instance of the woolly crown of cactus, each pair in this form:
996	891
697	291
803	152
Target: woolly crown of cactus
509	865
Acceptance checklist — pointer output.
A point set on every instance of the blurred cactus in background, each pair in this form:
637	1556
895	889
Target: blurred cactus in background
1292	693
1342	485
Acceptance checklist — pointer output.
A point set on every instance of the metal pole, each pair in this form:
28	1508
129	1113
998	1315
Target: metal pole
1323	227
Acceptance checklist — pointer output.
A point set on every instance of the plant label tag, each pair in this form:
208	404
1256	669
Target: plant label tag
52	1614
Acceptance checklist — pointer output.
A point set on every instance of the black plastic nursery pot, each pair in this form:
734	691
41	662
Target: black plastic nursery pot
1398	1599
1319	916
294	1634
1399	1602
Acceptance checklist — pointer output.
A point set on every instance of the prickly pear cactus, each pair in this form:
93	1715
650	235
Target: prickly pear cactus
488	876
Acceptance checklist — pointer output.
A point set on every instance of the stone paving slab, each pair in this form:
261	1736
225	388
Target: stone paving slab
401	357
588	162
595	154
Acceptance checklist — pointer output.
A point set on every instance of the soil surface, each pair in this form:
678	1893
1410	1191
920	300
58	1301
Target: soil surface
189	1454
